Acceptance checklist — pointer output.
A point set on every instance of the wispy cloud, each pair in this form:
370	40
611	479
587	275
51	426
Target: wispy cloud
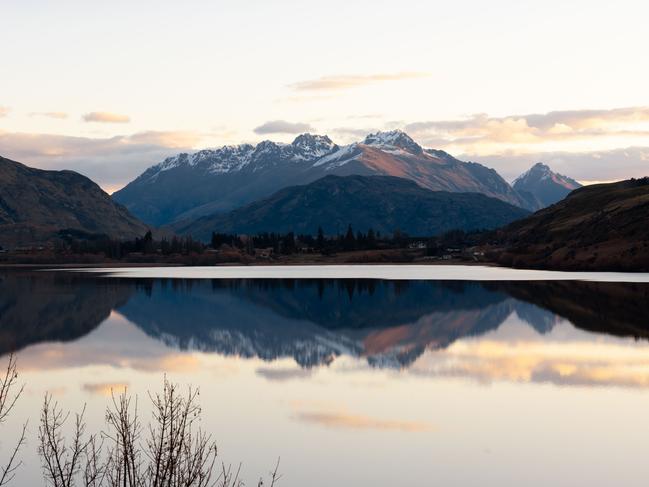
57	115
282	127
347	81
106	117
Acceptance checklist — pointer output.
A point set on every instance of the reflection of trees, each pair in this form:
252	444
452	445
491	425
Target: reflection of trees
614	308
54	306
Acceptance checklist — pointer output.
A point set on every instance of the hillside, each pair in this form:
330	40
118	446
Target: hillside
382	203
210	181
598	227
35	205
544	187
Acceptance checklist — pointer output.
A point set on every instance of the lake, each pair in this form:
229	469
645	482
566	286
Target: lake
354	375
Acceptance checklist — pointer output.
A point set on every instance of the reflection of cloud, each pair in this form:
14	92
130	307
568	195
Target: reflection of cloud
106	117
281	375
57	391
560	363
282	127
352	421
105	389
342	82
57	115
4	111
117	343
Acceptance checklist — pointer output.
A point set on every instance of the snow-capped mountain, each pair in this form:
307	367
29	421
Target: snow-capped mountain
544	185
232	158
396	139
188	186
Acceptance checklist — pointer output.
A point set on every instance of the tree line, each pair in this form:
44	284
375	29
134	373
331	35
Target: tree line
279	243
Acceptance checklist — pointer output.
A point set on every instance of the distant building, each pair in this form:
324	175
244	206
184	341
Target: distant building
266	253
417	245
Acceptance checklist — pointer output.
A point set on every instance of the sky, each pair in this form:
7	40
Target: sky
110	88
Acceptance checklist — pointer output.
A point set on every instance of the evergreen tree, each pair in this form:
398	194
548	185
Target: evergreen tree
350	241
321	238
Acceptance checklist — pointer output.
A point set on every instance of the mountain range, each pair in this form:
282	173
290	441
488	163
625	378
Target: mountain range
188	186
36	206
386	182
382	203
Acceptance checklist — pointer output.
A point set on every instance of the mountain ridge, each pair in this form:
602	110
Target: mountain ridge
36	205
218	180
597	227
383	203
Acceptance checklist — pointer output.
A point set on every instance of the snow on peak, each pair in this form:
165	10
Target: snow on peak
318	150
537	171
393	139
540	172
232	158
311	147
339	157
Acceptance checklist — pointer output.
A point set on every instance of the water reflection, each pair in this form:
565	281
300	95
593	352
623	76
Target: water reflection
390	324
393	383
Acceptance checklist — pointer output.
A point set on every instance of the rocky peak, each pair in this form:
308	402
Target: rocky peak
311	147
393	139
541	172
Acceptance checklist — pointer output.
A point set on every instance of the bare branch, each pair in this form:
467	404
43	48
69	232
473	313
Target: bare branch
8	398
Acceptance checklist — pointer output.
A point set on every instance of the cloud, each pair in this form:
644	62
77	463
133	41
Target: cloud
482	134
111	162
343	82
607	165
106	117
283	127
57	115
359	422
4	111
350	134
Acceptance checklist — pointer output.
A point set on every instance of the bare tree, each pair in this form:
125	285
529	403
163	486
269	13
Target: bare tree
10	392
61	461
172	452
123	466
274	476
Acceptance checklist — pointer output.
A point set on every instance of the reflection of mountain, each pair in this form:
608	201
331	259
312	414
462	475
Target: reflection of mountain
391	323
48	306
615	308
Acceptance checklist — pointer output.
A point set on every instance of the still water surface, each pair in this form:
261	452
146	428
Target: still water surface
355	381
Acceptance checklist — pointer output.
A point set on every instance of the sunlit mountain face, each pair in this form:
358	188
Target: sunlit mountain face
186	187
